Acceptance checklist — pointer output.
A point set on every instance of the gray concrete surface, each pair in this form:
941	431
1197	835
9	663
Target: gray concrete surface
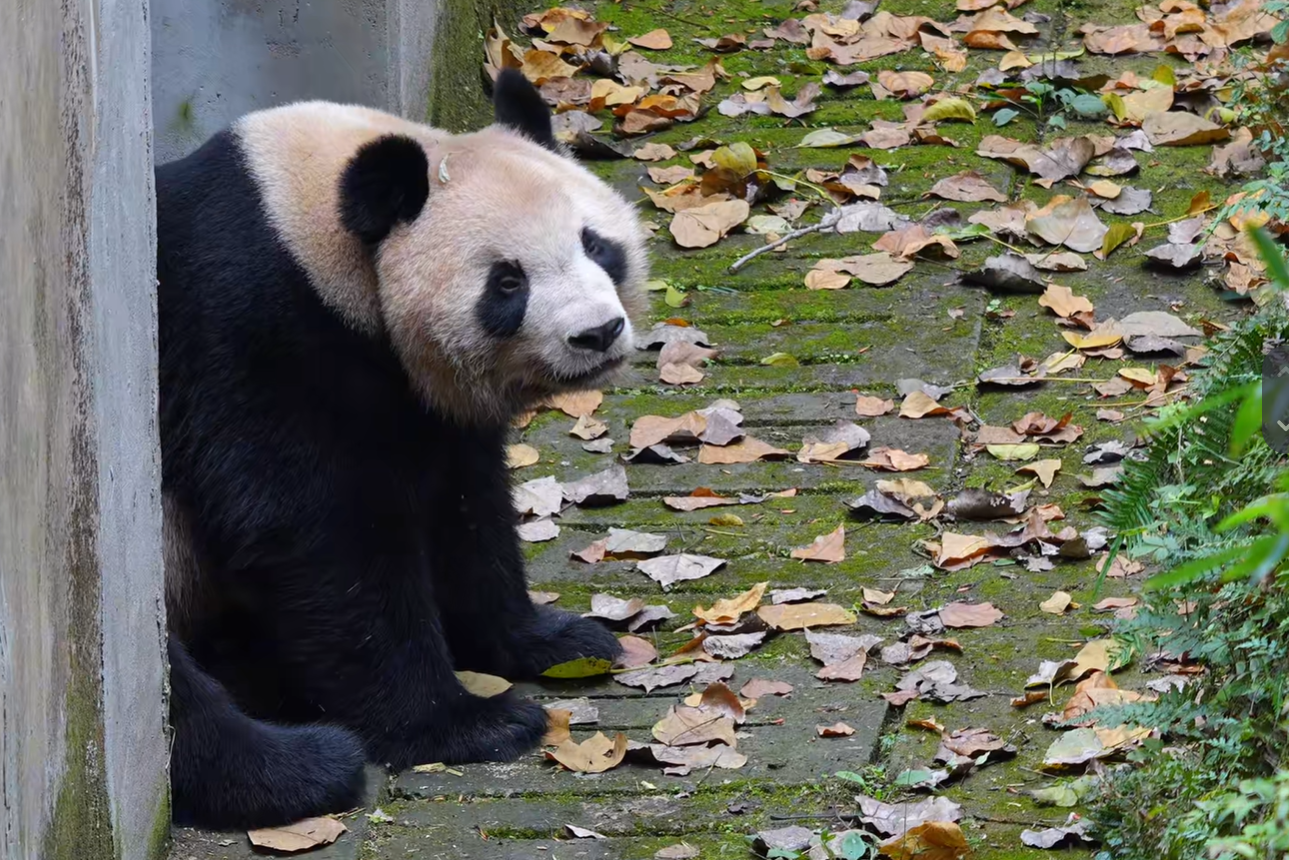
82	749
214	60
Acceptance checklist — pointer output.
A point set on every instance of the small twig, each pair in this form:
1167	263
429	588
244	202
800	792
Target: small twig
826	223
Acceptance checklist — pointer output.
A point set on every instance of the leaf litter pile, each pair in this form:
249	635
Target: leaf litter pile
701	640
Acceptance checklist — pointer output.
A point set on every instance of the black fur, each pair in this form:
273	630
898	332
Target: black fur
517	104
363	546
501	308
606	253
387	181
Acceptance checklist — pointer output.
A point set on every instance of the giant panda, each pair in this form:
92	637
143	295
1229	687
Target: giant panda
352	308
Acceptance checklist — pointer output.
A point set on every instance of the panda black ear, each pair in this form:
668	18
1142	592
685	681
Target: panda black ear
387	181
517	104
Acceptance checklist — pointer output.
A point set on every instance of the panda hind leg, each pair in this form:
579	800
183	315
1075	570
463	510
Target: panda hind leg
229	770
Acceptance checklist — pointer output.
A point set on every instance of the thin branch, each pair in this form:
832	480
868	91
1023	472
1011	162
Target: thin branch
826	223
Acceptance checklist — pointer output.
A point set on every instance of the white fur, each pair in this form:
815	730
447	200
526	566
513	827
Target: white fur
505	198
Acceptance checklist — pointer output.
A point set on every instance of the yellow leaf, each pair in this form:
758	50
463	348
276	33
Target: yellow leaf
763	81
950	109
728	610
829	548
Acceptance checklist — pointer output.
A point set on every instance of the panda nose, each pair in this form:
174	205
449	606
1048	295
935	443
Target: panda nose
599	338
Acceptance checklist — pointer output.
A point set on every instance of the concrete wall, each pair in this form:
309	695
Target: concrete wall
214	60
82	747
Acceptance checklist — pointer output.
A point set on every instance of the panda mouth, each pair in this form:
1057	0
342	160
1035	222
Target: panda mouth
591	375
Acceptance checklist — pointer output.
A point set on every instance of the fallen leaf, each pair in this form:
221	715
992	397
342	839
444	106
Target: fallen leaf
304	835
836	730
582	832
1075	832
684	726
1072	223
795	616
934	840
1045	470
537	531
829	548
600	488
702	226
867	406
650	679
540	497
669	569
905	84
654	40
483	685
519	456
850	669
746	450
895	460
1057	603
969	615
576	404
1011	273
734	646
557	726
1178	128
594	755
966	187
759	687
728	610
1062	301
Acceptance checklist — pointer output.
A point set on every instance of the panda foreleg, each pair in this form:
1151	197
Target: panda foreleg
489	618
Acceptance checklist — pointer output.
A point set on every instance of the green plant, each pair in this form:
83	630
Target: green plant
1210	505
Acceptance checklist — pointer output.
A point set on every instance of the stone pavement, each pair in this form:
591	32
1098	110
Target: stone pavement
860	339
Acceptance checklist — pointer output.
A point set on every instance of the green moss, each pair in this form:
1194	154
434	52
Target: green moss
457	99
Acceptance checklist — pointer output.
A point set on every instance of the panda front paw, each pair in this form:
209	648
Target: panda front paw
553	637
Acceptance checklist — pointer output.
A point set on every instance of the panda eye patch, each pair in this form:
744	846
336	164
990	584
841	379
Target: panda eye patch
605	253
500	310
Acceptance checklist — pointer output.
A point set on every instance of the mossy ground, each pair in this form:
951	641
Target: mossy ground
859	339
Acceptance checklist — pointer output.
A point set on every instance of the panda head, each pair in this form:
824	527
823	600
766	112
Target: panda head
504	271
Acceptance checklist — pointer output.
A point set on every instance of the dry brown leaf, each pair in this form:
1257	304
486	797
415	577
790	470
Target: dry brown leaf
934	840
895	460
905	85
593	755
684	726
867	406
1045	470
829	548
850	669
636	652
795	616
967	187
728	610
746	450
304	835
576	404
653	429
1177	128
654	40
836	730
705	225
918	404
759	687
557	727
1057	603
521	455
958	615
541	66
1062	301
1072	223
668	569
483	685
